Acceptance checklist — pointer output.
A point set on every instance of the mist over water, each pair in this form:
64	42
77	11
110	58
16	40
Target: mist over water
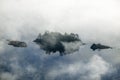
95	21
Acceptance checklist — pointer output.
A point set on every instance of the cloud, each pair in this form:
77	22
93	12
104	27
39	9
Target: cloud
7	76
94	21
83	17
91	70
31	63
112	74
52	42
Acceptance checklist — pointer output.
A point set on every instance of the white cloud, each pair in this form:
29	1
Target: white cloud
7	76
92	70
94	21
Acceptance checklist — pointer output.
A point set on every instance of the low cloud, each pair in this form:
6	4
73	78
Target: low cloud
92	70
7	76
52	42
